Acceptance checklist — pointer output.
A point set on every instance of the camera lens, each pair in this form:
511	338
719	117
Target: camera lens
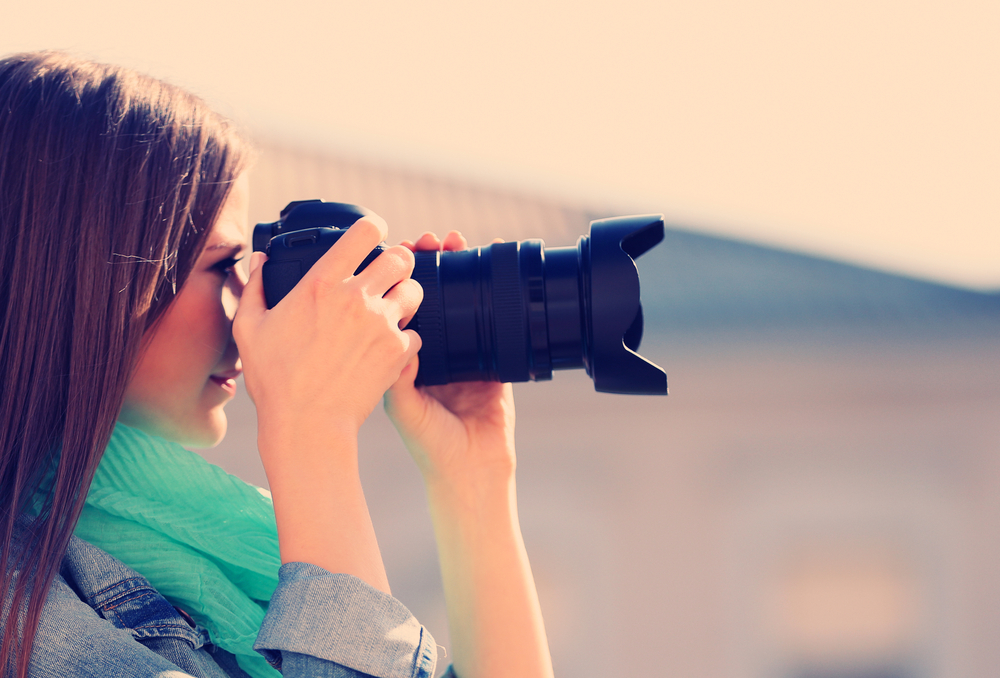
475	321
517	311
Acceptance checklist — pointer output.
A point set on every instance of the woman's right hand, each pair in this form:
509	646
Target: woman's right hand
316	365
326	353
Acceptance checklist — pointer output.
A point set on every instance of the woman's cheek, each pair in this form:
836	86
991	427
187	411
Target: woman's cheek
210	319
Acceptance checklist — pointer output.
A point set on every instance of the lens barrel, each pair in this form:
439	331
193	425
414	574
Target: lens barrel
483	316
512	311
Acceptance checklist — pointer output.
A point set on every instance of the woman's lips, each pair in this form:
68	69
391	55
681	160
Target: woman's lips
227	380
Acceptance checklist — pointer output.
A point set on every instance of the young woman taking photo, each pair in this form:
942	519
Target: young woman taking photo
123	212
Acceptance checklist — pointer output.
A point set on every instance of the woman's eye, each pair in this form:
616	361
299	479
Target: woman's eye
226	265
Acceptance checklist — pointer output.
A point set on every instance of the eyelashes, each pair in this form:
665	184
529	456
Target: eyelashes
226	265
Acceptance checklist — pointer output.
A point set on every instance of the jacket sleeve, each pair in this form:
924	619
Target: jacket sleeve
318	625
325	625
73	640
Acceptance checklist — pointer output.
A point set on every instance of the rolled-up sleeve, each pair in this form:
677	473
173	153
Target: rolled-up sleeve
320	623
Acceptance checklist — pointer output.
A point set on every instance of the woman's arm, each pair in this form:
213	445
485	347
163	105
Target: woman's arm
462	438
316	365
493	612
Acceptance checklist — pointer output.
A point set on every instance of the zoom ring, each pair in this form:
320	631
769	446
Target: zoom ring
429	322
510	327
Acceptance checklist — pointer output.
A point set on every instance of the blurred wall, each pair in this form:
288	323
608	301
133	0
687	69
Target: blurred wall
819	496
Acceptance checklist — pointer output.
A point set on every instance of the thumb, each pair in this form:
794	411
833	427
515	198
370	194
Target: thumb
252	302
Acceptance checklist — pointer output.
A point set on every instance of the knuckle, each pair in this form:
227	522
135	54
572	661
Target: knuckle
400	259
402	344
373	225
318	286
417	290
415	342
321	286
353	304
392	342
405	254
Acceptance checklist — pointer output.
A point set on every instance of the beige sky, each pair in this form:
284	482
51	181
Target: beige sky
865	131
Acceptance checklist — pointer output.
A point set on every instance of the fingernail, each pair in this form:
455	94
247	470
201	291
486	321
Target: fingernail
255	261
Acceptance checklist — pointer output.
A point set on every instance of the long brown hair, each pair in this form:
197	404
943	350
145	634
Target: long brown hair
109	184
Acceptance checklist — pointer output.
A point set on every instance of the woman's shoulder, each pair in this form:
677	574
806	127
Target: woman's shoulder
123	597
76	639
102	618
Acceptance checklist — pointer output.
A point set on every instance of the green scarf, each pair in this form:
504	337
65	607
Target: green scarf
203	538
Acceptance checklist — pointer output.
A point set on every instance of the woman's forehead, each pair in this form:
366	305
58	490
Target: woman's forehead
231	229
226	235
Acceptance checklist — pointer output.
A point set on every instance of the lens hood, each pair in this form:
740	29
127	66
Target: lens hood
615	309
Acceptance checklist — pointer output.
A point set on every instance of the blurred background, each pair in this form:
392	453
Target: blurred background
819	496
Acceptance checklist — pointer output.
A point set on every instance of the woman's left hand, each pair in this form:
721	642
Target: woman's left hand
456	433
462	437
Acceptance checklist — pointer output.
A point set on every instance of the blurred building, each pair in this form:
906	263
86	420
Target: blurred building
819	496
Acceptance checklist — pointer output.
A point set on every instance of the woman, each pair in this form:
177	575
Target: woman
122	215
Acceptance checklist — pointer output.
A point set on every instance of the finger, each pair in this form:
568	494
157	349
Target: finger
252	303
409	374
403	402
401	394
394	265
408	317
408	244
411	346
256	259
454	241
341	260
405	322
252	299
428	241
412	349
404	299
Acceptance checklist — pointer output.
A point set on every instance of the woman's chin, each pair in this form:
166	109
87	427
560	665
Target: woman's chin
210	433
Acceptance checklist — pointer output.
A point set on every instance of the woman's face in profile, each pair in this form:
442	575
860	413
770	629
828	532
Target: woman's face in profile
187	370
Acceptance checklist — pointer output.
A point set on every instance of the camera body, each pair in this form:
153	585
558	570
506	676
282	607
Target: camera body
511	311
294	244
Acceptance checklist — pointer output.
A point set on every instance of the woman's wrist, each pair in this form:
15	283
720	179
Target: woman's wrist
476	469
287	443
471	496
471	520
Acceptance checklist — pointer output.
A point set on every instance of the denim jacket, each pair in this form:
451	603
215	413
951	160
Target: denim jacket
103	619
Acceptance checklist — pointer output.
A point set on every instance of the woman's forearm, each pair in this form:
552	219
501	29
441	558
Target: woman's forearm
320	507
494	617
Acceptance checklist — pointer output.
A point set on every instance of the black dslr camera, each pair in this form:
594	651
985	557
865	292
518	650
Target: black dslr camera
510	311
